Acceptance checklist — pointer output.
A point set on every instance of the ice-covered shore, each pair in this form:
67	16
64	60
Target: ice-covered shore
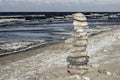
10	47
49	62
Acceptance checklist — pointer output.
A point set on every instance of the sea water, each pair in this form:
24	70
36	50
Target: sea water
52	31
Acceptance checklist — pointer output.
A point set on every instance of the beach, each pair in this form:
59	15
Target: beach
48	62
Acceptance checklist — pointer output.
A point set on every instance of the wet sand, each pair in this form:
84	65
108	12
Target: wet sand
49	61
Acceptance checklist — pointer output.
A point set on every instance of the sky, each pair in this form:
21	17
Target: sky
59	5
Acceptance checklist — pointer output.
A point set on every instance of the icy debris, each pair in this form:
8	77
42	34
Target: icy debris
14	45
78	77
108	73
9	20
85	78
9	47
113	39
17	44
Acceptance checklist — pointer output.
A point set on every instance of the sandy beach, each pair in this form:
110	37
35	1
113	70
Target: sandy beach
48	62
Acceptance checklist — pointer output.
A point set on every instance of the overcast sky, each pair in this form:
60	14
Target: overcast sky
59	5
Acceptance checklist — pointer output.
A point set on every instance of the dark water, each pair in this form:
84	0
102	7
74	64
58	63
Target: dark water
48	32
35	32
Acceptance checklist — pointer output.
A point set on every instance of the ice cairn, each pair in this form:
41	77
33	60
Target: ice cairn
78	58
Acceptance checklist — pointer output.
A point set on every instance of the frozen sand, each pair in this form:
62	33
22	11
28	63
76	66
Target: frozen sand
49	62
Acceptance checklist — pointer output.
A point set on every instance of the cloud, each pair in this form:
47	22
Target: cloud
59	5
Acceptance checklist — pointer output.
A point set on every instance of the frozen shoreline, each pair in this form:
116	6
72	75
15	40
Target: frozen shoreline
10	47
49	62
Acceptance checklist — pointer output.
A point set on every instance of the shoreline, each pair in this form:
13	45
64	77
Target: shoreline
49	62
28	48
21	55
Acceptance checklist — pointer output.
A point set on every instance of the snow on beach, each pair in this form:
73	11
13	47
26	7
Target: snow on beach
49	62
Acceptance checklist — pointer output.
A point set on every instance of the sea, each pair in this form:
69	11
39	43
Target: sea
47	26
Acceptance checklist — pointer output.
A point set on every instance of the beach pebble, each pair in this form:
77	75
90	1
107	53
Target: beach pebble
80	43
79	17
80	37
70	66
78	53
78	23
80	30
94	65
80	49
78	60
76	34
77	71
